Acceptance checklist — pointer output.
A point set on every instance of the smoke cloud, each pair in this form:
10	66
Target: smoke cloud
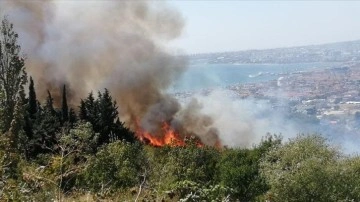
119	45
241	122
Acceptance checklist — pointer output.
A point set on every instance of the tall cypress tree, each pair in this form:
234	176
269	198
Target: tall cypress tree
64	107
32	109
32	103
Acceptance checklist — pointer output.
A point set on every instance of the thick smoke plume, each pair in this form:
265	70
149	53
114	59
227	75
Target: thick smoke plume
119	45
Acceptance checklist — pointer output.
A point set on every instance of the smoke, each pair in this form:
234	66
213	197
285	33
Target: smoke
241	122
119	45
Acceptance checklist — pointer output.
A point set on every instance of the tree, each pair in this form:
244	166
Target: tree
46	128
32	102
308	168
82	111
239	169
32	109
72	117
12	74
108	115
64	107
116	165
103	115
92	112
49	106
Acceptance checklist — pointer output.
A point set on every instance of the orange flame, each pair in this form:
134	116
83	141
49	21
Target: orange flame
168	137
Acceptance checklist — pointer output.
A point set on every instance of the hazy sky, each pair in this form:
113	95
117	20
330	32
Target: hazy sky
213	26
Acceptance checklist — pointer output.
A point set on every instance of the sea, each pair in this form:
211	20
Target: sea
205	76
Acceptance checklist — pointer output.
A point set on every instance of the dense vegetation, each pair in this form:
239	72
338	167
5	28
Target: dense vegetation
85	154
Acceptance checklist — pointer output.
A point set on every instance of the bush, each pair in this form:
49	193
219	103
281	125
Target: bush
117	165
170	166
193	163
307	168
239	169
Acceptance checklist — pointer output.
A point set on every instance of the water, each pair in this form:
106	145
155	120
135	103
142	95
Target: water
202	76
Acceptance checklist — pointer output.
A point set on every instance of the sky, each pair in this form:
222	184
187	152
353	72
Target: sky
216	26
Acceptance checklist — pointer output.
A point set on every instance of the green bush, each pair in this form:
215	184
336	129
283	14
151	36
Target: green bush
117	165
193	163
170	166
308	168
239	169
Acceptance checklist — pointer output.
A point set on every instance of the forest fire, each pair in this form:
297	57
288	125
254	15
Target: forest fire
168	137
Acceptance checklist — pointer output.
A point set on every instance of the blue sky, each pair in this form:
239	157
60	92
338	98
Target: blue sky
212	26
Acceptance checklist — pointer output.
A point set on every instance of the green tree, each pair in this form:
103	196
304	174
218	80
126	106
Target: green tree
308	168
12	74
92	110
83	111
32	101
103	115
46	128
116	165
108	114
12	80
32	109
239	169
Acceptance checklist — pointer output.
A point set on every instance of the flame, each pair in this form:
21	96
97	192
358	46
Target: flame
168	137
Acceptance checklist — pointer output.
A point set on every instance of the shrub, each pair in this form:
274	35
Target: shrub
308	168
117	165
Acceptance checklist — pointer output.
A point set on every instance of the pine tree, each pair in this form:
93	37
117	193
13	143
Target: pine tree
64	107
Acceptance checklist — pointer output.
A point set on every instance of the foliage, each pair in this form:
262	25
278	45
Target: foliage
192	191
170	167
12	74
103	115
239	168
46	127
308	169
116	165
193	163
